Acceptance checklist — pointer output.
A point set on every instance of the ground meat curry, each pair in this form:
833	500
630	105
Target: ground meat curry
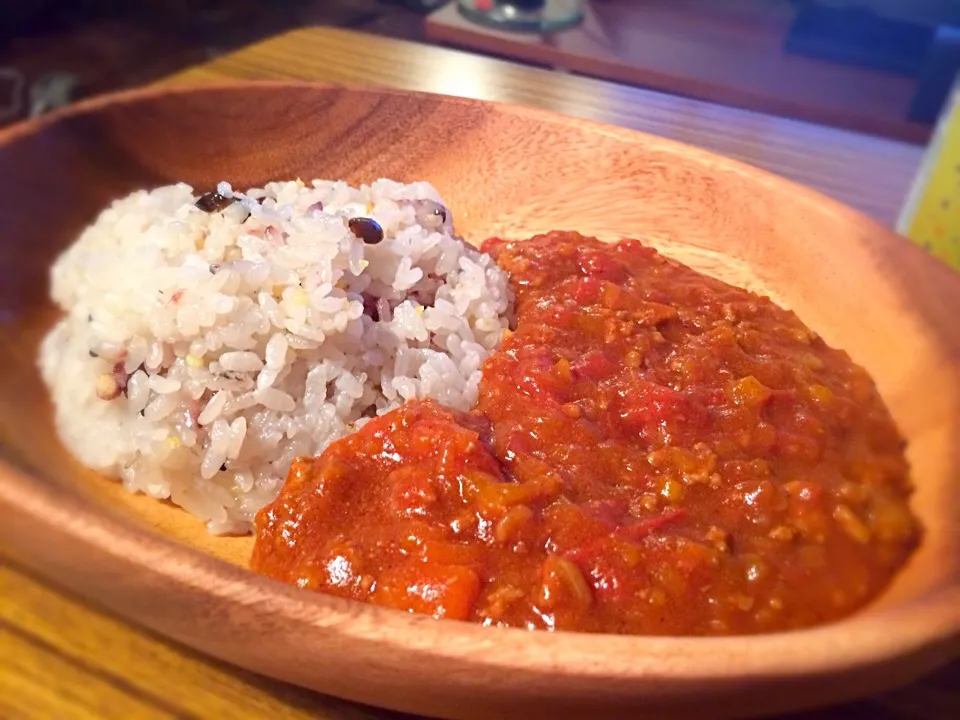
653	452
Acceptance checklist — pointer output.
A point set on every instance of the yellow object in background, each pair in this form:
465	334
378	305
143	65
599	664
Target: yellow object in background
931	216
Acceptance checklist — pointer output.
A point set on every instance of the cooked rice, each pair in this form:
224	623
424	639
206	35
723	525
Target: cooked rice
201	352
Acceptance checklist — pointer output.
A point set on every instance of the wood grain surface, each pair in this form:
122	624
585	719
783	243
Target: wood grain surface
728	51
868	173
62	658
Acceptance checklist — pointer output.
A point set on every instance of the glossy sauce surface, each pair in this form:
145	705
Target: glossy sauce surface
653	452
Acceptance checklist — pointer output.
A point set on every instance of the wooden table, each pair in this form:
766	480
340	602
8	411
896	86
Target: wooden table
60	658
728	51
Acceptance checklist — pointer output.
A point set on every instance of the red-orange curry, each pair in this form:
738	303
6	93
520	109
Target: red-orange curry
653	452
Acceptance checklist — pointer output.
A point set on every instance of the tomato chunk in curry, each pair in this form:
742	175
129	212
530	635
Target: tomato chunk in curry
653	452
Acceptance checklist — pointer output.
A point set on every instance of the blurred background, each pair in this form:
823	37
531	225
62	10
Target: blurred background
56	50
876	66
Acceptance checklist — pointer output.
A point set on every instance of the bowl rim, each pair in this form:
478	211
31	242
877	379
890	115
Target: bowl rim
864	639
869	637
816	199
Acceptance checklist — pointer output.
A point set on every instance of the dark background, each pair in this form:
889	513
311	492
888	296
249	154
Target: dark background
52	51
109	45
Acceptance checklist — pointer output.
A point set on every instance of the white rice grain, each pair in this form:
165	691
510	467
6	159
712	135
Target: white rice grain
238	431
214	408
160	407
138	391
275	400
240	361
162	385
276	351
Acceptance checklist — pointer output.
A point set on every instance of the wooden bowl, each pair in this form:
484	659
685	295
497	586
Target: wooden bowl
504	171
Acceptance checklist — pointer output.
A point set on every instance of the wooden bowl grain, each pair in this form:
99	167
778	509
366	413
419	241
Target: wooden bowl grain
503	171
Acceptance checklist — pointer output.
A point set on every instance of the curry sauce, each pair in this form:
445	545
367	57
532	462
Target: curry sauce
653	452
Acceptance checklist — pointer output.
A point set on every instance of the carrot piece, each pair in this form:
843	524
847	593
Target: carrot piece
447	553
441	591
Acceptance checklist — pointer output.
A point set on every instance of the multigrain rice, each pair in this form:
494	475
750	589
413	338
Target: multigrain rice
201	351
